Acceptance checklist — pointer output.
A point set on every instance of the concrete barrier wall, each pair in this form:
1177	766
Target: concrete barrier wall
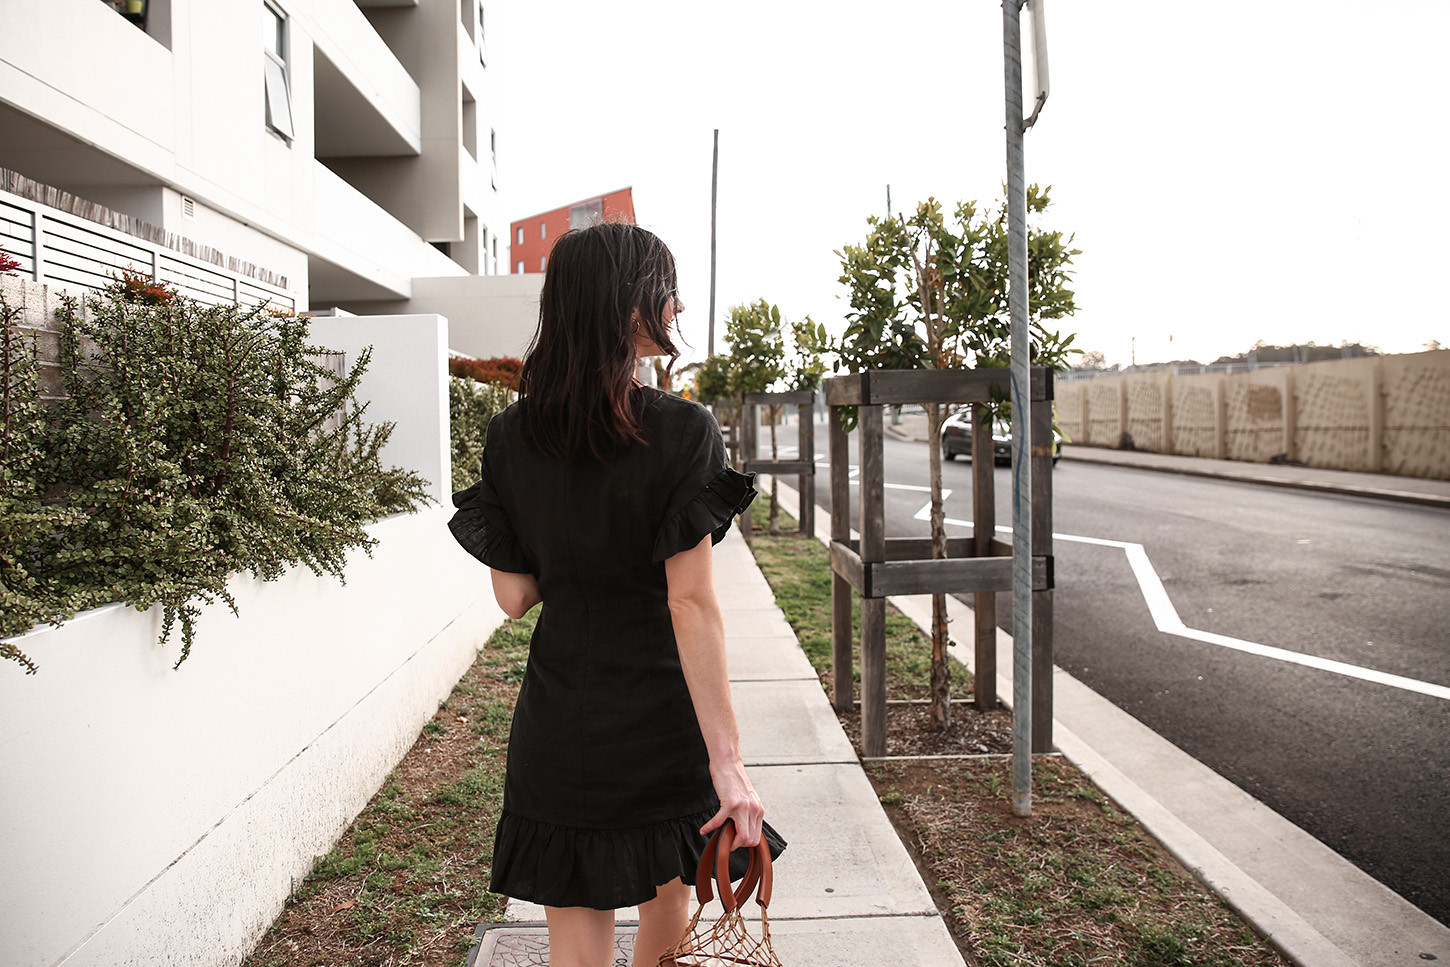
157	816
1417	414
1385	413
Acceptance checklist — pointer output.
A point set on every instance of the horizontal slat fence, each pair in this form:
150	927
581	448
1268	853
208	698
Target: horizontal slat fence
59	248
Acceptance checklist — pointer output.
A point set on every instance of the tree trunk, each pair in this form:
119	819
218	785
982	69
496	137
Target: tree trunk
772	413
941	691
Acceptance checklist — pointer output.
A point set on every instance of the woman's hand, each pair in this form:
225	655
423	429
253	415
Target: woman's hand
738	802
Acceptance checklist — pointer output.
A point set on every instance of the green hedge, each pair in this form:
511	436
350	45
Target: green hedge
471	405
192	442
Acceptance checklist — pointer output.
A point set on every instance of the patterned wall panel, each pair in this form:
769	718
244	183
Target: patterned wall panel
1332	417
1146	411
1417	414
1195	415
1070	400
1105	414
1254	416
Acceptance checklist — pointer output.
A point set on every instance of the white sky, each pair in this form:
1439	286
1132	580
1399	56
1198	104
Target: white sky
1233	170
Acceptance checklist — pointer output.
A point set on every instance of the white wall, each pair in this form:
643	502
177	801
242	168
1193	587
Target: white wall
487	316
405	384
156	817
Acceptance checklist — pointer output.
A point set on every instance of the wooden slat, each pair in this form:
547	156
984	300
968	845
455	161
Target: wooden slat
806	447
883	386
873	676
1043	650
846	563
984	544
842	635
792	398
951	576
782	467
843	390
872	485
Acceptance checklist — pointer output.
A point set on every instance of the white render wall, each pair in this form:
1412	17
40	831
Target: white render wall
155	816
487	316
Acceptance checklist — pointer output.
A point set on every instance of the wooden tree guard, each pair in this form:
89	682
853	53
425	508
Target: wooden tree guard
877	566
804	467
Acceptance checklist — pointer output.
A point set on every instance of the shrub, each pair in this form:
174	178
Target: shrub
192	442
497	371
471	405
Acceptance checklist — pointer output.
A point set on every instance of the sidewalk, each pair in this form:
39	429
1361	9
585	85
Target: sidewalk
846	891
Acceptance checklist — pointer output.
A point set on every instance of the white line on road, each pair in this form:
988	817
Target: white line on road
1165	617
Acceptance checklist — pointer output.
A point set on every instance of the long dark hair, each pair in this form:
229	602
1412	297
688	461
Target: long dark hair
579	395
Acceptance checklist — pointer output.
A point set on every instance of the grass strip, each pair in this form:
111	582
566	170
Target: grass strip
408	882
1077	883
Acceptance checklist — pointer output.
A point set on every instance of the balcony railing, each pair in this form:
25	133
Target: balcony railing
61	248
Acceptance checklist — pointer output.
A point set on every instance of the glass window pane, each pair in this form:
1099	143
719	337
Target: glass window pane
279	105
273	32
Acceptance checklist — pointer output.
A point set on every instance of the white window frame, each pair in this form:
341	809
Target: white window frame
276	86
520	267
521	236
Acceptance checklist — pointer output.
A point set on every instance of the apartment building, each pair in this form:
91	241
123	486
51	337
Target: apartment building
333	153
533	238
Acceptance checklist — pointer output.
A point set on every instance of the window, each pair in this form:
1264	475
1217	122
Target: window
543	262
521	236
543	230
520	267
274	71
582	216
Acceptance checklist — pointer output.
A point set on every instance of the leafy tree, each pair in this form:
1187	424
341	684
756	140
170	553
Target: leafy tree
930	291
471	405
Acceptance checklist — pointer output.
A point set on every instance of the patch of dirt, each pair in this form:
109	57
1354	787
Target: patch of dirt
910	730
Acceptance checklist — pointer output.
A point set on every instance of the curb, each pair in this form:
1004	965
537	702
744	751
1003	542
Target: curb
1344	490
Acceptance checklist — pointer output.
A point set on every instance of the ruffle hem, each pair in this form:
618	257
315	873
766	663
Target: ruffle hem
605	869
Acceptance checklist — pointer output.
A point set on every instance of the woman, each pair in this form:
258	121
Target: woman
602	498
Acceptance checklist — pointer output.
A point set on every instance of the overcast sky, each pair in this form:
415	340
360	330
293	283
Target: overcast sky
1233	171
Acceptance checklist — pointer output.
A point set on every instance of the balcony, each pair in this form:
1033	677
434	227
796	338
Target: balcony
367	104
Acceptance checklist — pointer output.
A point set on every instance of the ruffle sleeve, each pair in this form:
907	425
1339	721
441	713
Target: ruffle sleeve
482	526
707	495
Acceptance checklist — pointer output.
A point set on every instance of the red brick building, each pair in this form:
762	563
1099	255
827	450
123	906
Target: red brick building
532	238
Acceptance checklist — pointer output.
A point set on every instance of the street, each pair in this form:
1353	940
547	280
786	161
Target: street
1319	677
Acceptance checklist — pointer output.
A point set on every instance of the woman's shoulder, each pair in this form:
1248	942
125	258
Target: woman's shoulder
678	412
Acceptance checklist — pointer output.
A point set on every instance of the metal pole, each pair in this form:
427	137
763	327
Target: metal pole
1021	425
714	197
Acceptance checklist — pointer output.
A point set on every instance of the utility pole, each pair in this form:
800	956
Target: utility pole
888	201
1021	384
714	198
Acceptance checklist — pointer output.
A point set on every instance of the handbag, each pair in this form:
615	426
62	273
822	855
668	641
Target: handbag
728	941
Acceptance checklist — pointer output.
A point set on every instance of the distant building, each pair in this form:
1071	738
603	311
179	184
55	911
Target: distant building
318	153
533	237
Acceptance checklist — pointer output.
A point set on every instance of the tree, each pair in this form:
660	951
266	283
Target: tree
930	291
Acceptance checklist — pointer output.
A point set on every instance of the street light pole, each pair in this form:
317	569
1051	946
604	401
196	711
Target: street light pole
714	195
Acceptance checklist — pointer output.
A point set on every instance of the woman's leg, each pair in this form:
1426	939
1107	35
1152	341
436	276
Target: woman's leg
661	922
580	937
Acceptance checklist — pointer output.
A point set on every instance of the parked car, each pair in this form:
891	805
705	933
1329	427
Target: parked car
956	438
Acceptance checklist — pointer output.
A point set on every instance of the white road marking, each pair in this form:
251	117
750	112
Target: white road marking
1166	619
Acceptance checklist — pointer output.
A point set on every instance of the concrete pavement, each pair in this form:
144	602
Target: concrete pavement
846	891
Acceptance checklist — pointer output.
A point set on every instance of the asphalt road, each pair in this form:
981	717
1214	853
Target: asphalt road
1363	766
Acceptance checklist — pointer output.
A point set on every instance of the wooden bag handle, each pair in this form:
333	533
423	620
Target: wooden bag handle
717	853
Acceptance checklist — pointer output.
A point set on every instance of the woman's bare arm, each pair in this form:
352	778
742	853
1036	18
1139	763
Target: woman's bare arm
515	593
700	635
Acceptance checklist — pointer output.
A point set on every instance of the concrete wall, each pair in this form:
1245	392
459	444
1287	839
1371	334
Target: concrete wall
487	315
1385	413
161	817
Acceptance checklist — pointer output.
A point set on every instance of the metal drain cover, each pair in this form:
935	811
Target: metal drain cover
527	945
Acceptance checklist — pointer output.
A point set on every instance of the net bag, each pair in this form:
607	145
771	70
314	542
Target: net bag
729	940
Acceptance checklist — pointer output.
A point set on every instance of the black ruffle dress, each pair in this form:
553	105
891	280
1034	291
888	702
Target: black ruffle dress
608	777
